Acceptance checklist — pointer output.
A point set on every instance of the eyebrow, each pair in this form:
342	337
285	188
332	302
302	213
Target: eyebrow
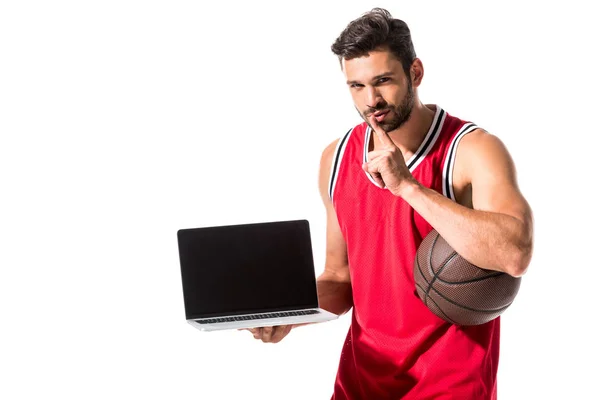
374	78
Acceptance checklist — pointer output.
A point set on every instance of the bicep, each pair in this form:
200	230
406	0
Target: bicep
486	166
336	260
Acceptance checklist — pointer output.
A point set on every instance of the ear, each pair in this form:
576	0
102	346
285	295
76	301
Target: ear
416	72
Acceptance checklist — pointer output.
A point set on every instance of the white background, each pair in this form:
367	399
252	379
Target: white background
123	121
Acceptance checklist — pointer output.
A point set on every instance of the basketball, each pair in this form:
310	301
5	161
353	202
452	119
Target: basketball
456	290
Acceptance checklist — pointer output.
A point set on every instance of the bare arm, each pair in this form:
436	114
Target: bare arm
493	226
334	289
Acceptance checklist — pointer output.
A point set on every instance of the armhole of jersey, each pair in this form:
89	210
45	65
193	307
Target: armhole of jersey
336	161
447	187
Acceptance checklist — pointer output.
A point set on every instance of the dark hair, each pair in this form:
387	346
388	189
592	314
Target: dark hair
373	30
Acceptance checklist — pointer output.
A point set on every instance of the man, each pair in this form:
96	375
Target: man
385	184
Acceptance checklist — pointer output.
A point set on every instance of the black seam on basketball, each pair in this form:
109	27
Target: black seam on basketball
420	287
438	307
421	272
424	278
426	294
469	308
431	267
435	274
431	252
452	257
472	280
427	297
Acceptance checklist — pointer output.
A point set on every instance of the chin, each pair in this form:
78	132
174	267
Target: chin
390	126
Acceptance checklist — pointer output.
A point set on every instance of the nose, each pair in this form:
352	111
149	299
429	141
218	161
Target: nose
373	97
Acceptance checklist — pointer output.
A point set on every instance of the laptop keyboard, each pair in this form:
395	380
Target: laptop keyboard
256	316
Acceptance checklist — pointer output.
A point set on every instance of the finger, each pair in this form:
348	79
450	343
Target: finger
377	165
372	155
280	332
378	180
257	332
384	138
372	170
253	331
267	331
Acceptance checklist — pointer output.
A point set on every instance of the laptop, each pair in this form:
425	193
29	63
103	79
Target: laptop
247	276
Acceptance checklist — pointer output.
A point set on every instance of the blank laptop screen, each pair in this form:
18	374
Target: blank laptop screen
241	269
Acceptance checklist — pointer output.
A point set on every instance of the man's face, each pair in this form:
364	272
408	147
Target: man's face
379	86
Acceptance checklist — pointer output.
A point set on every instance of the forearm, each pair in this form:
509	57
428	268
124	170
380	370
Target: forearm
489	240
335	295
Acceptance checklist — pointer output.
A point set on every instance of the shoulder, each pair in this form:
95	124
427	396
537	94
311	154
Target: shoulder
336	147
480	153
325	168
480	146
480	138
331	155
329	151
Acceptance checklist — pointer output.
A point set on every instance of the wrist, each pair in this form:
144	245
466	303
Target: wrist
407	188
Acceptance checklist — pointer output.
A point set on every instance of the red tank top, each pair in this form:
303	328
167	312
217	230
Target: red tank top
396	348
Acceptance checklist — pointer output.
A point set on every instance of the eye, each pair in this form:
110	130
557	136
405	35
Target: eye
356	85
383	80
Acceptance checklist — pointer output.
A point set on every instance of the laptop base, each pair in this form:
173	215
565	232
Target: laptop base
321	316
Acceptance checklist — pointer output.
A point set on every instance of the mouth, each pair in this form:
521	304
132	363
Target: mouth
380	115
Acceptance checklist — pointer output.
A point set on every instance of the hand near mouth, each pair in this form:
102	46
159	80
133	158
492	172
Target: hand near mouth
387	165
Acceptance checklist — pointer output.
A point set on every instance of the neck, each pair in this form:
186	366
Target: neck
410	135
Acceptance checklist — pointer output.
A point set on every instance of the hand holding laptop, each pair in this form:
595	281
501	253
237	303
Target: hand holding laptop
270	334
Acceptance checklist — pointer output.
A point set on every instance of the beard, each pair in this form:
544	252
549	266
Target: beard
397	115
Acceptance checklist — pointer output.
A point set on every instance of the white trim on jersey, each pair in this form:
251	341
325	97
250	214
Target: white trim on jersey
366	152
426	145
448	169
429	141
338	154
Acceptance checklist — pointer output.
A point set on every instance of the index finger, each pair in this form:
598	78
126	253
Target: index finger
384	138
